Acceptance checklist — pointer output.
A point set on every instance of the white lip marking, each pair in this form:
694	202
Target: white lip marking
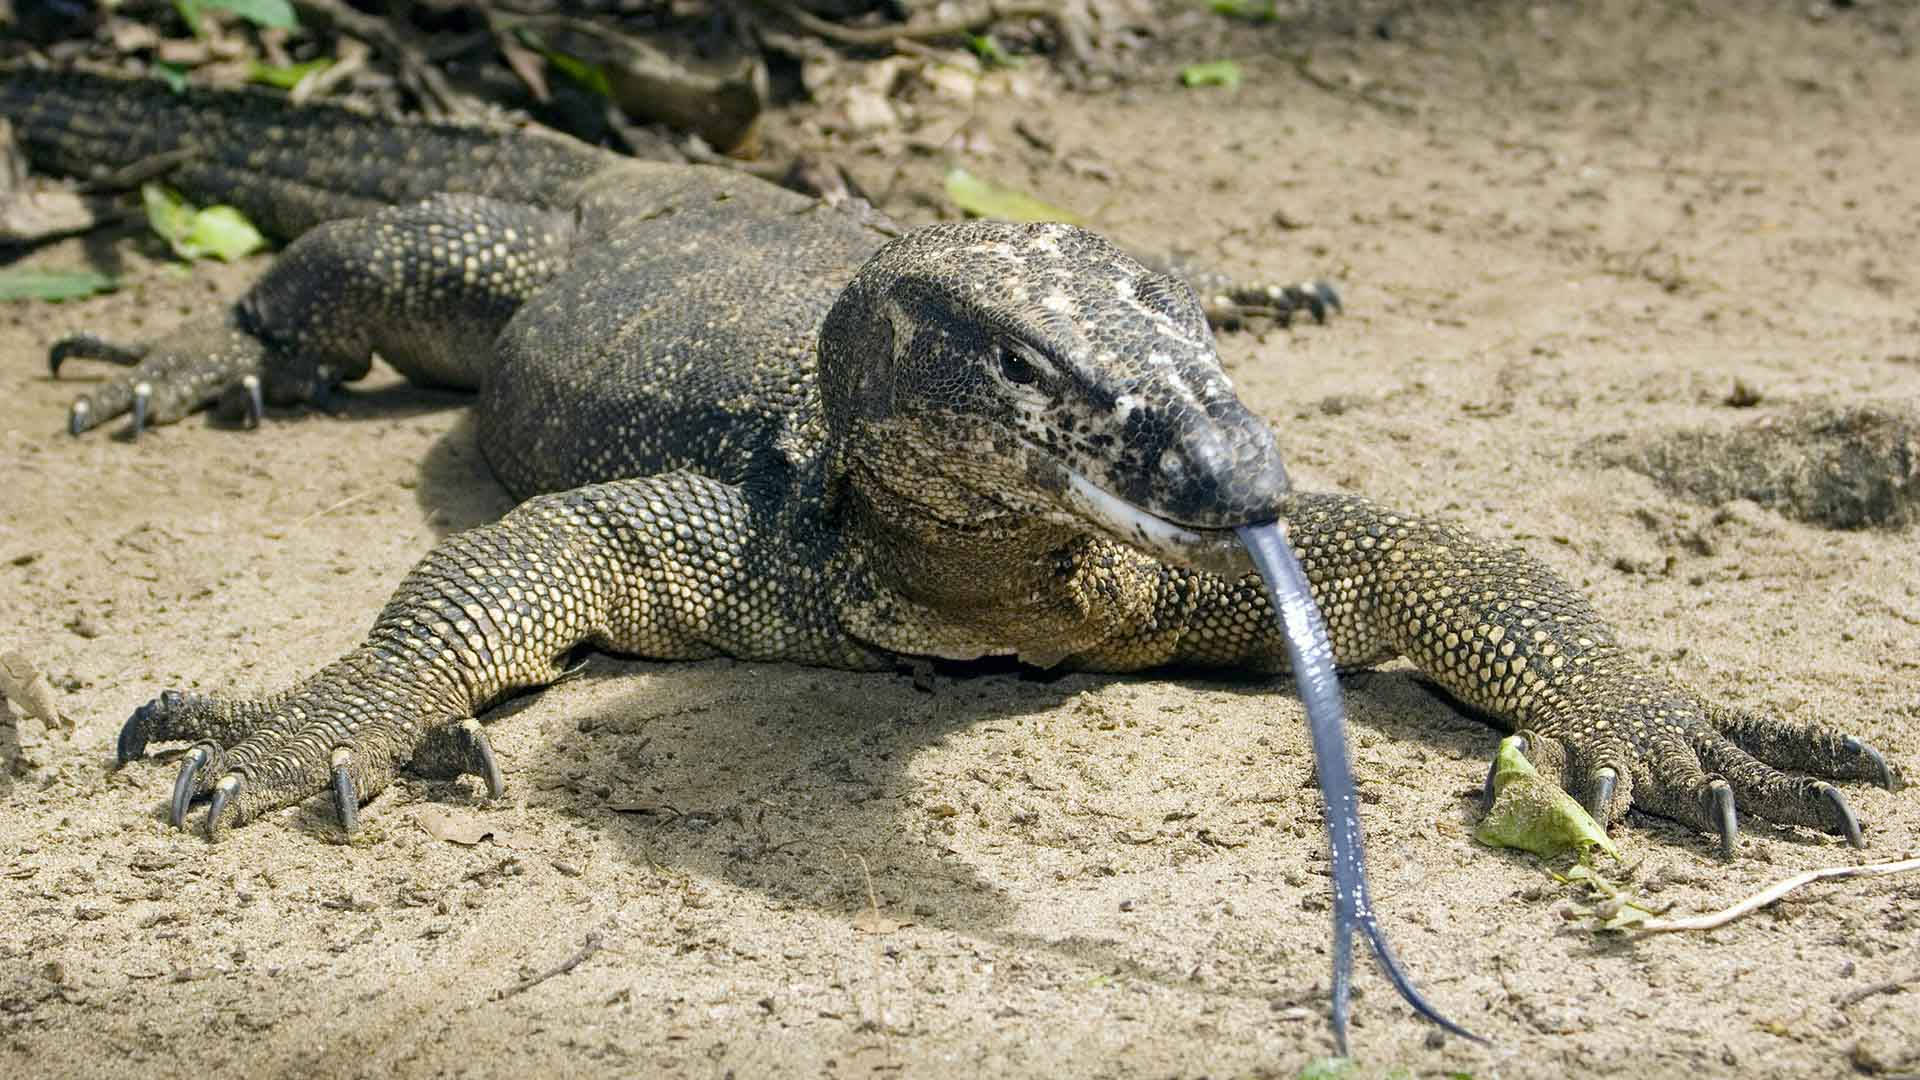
1219	552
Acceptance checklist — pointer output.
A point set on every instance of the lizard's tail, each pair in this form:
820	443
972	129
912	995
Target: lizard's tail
288	169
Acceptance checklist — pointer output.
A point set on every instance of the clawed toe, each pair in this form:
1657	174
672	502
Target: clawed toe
187	784
142	405
346	796
1599	798
1882	772
1717	805
224	793
89	347
1844	823
80	416
457	750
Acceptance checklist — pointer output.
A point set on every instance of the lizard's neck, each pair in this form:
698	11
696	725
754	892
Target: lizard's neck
952	574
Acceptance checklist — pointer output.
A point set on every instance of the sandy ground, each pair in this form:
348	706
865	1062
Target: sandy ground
1550	230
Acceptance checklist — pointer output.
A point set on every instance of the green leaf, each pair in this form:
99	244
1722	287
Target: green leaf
286	76
218	231
1327	1068
1534	815
984	198
990	52
1212	73
20	284
590	76
277	14
174	75
1254	10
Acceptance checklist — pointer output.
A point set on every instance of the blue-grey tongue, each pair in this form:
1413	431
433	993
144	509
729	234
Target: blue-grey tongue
1311	654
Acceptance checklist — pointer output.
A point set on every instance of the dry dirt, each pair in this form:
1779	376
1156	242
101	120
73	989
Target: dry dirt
1552	228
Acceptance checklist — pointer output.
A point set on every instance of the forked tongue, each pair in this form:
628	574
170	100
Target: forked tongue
1305	633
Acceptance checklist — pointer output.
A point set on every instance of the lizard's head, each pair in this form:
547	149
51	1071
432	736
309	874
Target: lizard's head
1039	370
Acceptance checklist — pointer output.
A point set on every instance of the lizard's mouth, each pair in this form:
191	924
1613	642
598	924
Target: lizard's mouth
1217	550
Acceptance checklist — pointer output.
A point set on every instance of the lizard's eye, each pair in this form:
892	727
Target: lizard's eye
1016	367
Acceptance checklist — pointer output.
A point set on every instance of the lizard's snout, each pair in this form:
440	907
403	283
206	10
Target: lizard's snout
1222	473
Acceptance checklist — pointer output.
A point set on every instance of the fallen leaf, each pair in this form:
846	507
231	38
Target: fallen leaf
984	198
221	232
1212	73
1534	815
453	827
54	284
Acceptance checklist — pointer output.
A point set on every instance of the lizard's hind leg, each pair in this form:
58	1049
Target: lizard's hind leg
427	286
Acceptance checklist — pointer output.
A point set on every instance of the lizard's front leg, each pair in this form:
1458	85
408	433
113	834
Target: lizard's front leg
668	567
1504	634
427	286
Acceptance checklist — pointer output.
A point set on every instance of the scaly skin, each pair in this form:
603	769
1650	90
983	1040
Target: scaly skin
747	425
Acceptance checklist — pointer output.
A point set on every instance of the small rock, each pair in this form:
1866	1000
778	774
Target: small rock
868	111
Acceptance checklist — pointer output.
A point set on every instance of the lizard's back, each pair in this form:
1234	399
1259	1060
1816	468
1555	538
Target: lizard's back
680	333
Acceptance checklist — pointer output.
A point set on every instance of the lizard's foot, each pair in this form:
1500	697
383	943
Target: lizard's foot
199	363
1230	304
250	757
1663	750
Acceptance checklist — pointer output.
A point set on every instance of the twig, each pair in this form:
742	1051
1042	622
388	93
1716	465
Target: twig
1770	894
438	98
594	944
1891	986
991	12
342	504
1303	66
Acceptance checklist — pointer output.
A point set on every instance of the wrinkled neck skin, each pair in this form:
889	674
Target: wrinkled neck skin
953	573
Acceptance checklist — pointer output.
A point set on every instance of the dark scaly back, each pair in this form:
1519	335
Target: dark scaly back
288	169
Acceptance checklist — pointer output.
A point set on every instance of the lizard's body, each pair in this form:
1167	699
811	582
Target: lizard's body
804	440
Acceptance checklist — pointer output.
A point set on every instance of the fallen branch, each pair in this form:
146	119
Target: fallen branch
1771	894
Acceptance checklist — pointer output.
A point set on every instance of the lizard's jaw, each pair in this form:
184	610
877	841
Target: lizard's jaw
1217	551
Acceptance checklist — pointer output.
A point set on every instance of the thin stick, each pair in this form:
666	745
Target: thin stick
1770	894
593	945
887	35
1891	986
341	505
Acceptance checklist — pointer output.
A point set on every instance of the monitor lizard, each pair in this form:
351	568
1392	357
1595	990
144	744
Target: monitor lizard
744	423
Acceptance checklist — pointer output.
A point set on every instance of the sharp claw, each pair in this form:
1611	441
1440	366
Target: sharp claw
346	797
1486	789
79	416
142	398
1600	793
187	783
1883	773
223	794
1849	825
1328	295
1721	812
256	406
133	736
483	763
1309	296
